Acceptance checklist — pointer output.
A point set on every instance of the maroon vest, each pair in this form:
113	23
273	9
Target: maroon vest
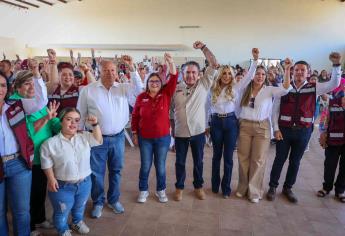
336	123
297	108
16	118
69	99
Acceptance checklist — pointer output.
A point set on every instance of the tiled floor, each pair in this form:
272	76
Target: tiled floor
218	216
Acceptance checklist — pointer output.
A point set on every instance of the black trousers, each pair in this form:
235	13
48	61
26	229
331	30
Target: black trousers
333	154
38	196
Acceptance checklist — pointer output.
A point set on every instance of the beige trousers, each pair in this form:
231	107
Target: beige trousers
253	144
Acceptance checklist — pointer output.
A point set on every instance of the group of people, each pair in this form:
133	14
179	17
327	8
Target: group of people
66	146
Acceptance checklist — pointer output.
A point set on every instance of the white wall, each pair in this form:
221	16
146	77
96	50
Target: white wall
301	29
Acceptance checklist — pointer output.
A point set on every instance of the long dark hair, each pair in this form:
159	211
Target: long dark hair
248	92
7	85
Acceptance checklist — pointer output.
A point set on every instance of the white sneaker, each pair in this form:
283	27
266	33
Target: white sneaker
239	195
66	233
81	227
142	196
162	197
45	225
254	200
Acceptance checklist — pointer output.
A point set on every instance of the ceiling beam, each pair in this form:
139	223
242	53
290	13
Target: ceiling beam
45	2
64	1
14	4
28	3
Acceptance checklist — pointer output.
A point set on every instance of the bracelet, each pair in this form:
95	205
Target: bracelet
94	125
203	47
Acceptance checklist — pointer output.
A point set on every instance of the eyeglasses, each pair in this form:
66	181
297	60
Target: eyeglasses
154	81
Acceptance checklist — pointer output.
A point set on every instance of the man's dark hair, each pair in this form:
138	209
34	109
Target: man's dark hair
6	62
303	63
192	63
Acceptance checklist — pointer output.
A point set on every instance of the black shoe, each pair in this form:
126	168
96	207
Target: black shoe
290	195
271	194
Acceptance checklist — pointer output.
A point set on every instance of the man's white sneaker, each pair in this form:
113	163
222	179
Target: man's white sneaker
81	227
162	197
143	196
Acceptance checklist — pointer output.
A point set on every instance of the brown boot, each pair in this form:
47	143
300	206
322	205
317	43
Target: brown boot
200	194
178	194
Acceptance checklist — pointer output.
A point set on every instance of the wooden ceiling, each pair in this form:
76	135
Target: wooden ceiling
31	4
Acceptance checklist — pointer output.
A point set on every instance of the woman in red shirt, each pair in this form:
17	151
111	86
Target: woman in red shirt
151	129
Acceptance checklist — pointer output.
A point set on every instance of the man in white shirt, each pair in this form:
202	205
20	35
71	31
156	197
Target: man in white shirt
190	120
293	123
107	99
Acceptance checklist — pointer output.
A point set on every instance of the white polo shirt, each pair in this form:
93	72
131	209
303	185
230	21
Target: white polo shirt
70	159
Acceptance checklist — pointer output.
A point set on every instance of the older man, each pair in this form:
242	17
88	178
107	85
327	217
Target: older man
189	117
107	99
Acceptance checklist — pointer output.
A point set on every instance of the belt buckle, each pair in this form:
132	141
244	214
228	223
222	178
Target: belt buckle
222	115
294	126
9	157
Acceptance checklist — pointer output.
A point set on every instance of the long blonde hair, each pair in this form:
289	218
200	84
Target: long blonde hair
217	89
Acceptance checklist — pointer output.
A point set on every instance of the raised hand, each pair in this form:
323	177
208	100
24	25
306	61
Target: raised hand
198	45
168	58
34	67
92	120
17	56
83	67
255	53
51	55
335	58
79	58
288	64
4	56
129	61
46	67
92	52
52	110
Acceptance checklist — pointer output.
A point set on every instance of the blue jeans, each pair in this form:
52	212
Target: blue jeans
295	140
153	149
224	132
197	144
15	188
69	198
112	152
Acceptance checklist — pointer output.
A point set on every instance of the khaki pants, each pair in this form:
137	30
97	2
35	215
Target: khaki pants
254	140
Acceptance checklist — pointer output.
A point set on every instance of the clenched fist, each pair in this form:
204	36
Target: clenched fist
198	45
335	57
255	53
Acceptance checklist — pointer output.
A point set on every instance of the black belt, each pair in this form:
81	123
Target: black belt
112	135
223	115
